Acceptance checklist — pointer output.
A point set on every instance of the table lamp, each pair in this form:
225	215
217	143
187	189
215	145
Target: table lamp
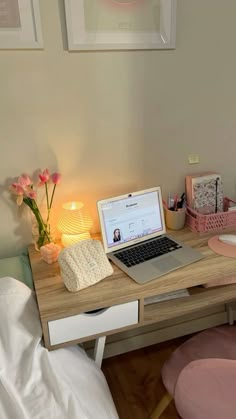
74	223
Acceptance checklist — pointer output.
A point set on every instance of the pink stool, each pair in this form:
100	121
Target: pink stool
201	376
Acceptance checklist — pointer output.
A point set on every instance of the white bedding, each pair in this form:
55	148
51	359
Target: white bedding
35	383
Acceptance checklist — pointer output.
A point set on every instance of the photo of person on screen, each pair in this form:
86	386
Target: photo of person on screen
116	235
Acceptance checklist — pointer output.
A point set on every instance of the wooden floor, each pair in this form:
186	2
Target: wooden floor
135	381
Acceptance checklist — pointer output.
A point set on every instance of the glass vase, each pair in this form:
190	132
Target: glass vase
41	231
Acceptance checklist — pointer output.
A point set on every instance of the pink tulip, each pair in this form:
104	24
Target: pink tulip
24	189
44	177
24	181
16	189
56	178
31	193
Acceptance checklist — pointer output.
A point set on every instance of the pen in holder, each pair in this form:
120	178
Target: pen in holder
175	220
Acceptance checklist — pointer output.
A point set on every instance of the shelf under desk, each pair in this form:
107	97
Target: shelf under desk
199	299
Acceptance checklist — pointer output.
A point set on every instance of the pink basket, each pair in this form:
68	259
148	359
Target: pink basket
203	223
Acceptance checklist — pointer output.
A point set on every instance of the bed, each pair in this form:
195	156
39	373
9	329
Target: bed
36	383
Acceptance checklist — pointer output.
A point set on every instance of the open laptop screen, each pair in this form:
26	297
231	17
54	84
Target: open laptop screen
131	218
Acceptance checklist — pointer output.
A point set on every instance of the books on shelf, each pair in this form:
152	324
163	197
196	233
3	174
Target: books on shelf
204	192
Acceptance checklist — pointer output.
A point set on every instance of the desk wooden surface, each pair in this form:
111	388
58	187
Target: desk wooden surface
56	302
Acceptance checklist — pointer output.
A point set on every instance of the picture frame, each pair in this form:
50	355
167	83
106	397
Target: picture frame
89	26
20	24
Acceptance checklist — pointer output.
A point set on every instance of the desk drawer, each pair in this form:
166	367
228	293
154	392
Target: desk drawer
90	324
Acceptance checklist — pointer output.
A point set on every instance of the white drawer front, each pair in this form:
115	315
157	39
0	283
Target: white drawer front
83	325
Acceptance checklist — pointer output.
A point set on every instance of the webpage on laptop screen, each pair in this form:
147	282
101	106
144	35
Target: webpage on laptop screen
132	217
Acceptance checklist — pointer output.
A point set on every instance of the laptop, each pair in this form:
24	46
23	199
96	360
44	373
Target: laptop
134	236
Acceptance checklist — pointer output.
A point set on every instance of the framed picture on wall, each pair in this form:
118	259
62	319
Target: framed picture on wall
20	26
120	24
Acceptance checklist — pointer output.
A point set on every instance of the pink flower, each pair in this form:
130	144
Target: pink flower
24	181
44	177
24	190
30	193
56	178
17	189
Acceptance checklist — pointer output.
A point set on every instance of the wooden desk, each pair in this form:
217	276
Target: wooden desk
61	308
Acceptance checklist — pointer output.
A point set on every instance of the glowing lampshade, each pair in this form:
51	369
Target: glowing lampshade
74	223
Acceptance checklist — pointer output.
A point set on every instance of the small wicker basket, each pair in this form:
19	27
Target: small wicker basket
210	222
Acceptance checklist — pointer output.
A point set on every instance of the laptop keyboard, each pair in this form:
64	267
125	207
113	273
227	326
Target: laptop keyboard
146	251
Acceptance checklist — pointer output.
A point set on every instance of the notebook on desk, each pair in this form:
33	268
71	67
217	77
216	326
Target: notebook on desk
134	236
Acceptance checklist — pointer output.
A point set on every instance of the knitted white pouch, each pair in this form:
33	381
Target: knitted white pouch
84	264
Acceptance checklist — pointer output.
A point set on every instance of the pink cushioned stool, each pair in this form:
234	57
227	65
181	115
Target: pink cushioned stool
201	376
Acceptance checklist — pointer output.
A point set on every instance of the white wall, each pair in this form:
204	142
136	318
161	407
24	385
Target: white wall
113	122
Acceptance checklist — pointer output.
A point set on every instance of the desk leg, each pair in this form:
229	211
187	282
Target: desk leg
99	349
230	314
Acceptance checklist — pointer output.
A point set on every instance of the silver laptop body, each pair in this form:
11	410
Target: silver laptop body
137	219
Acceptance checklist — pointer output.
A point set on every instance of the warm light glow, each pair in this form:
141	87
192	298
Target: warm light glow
74	223
69	239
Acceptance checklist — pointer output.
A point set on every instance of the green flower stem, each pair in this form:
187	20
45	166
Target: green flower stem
54	187
47	222
46	189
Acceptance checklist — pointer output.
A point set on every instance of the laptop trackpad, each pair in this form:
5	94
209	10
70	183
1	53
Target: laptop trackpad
167	264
